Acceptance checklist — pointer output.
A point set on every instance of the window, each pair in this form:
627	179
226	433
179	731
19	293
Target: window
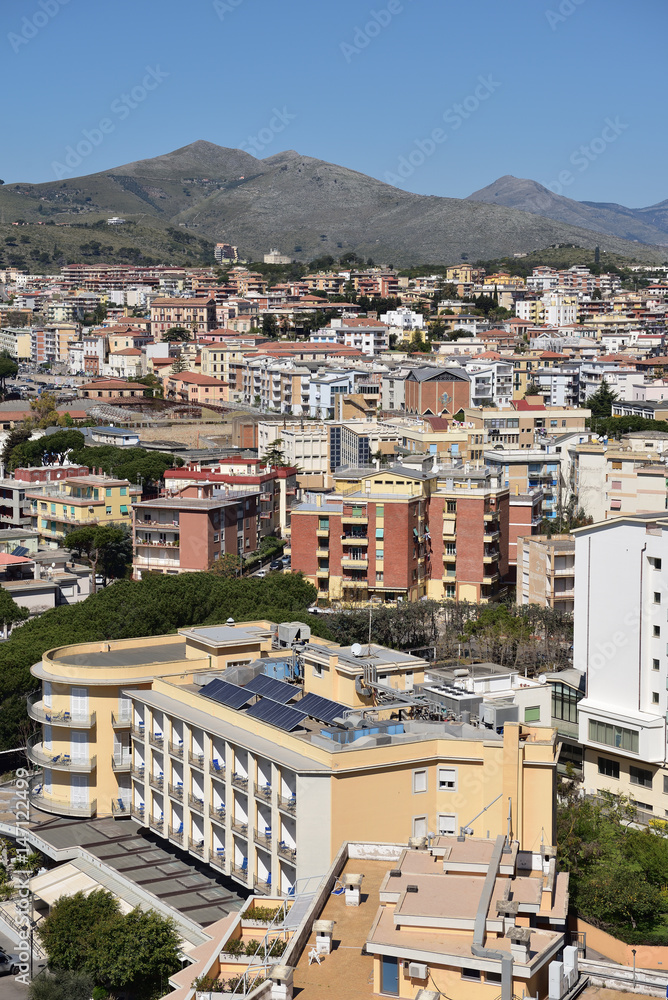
656	630
665	784
532	714
108	491
471	974
124	491
493	977
613	736
419	781
380	553
318	671
380	533
564	702
639	776
656	563
447	824
380	510
450	590
323	524
447	779
655	664
379	578
616	465
610	768
655	697
451	507
108	510
657	597
419	826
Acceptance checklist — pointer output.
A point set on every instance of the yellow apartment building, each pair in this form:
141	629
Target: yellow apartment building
78	501
260	749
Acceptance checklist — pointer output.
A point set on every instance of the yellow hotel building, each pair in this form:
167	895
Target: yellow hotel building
261	749
78	501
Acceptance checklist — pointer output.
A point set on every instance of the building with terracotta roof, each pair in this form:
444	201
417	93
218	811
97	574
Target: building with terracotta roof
194	387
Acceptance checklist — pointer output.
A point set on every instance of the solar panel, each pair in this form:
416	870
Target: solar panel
226	694
20	550
276	714
271	688
320	708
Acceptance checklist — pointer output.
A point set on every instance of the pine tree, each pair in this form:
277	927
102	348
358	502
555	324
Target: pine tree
180	364
600	403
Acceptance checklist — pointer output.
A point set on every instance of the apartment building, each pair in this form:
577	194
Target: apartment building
78	501
16	341
491	383
529	421
440	436
613	479
525	472
260	749
198	315
110	388
368	336
620	645
194	387
192	531
546	571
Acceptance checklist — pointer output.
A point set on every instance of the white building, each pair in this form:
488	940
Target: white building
403	319
621	596
491	383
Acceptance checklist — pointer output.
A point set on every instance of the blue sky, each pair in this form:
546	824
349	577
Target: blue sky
510	88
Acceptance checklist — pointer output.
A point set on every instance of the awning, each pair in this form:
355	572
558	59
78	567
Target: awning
62	881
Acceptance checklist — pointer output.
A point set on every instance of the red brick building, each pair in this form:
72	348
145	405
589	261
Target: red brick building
434	390
196	315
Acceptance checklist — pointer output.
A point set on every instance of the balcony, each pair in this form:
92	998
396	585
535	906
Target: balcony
240	781
121	762
354	539
155	563
157	740
156	823
160	544
176	749
196	759
138	732
264	839
217	769
288	804
38	754
196	846
163	525
176	791
490	515
491	536
322	553
287	853
491	557
263	791
157	781
217	813
322	532
322	571
262	886
196	803
356	518
139	772
217	858
61	807
41	713
240	828
122	720
490	578
355	584
350	563
139	813
239	872
176	833
120	808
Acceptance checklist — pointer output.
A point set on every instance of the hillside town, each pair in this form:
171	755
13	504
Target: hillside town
484	450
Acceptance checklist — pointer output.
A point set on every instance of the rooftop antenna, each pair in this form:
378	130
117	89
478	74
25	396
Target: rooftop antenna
507	848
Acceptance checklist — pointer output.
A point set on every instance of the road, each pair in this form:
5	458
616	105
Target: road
9	988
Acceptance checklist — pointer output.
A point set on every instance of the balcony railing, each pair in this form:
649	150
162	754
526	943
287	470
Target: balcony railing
176	833
197	759
38	754
121	762
287	853
217	813
288	804
240	781
156	781
216	768
262	886
61	807
121	807
156	740
121	721
239	827
264	839
196	845
40	712
176	791
139	732
139	813
240	872
139	772
196	803
156	823
263	791
217	858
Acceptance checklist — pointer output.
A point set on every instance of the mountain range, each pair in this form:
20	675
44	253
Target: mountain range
308	208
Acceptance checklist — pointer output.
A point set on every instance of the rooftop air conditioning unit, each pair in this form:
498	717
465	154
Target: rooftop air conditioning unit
416	970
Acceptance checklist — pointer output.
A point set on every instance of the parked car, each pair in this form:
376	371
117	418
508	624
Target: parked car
9	963
285	560
261	573
275	564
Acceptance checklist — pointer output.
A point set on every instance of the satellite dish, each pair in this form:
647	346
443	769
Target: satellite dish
356	649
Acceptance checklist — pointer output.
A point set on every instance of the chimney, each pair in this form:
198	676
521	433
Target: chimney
519	943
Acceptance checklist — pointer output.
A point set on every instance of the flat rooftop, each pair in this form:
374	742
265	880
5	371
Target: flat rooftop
130	657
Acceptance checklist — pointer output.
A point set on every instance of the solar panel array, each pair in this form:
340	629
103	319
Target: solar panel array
277	714
20	550
227	694
269	687
320	708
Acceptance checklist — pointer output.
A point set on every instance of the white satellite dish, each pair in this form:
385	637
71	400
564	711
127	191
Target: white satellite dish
356	649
